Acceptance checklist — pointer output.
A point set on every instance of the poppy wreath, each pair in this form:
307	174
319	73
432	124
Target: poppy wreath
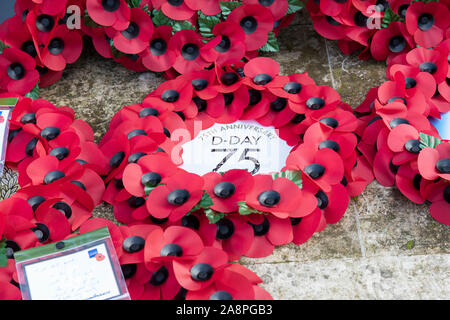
383	29
171	37
397	138
177	240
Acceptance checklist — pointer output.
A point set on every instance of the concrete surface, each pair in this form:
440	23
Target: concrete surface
385	247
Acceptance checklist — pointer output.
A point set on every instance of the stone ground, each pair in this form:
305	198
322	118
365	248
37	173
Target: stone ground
385	247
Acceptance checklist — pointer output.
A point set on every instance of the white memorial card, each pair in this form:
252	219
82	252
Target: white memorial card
239	145
71	269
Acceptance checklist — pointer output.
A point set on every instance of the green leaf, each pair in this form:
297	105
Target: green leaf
228	6
34	93
147	10
410	244
428	141
214	216
294	176
294	6
3	257
159	18
89	22
204	203
134	3
390	16
3	46
244	209
148	188
181	25
116	53
206	24
271	44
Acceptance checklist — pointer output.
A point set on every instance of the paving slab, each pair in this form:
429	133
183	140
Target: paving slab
418	277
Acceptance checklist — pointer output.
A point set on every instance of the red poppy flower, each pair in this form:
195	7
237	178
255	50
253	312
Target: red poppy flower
404	141
433	61
323	167
176	243
439	195
202	271
48	169
333	8
18	36
121	150
175	198
209	8
414	79
258	105
435	163
278	8
134	241
359	177
159	282
391	41
9	291
48	77
234	105
256	21
111	13
393	95
148	171
113	229
320	136
129	209
231	47
51	7
279	113
187	45
291	88
279	196
427	22
18	71
135	38
150	127
233	235
269	231
321	98
52	214
158	57
176	10
17	214
262	73
383	168
327	26
230	285
227	189
409	181
175	95
303	228
334	203
40	26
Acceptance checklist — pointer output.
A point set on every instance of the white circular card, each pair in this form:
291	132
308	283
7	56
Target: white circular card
239	145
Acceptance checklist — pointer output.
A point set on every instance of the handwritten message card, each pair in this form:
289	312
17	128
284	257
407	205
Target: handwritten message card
86	271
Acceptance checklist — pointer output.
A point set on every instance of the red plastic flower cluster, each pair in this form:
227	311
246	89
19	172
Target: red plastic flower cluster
244	215
180	230
397	138
173	37
381	29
